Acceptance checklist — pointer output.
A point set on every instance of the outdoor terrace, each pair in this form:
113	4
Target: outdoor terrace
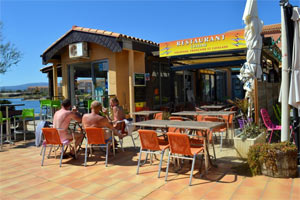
22	177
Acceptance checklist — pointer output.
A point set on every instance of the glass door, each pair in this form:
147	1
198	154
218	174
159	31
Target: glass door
99	71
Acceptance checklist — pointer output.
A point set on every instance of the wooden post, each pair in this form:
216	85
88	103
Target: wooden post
55	88
131	77
256	102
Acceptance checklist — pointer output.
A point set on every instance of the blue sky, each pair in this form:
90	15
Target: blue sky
34	25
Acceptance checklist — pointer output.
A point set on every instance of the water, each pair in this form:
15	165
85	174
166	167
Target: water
35	104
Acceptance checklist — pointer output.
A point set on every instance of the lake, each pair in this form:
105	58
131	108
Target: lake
35	104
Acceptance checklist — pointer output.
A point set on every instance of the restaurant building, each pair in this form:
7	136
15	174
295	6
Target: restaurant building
143	74
113	63
205	69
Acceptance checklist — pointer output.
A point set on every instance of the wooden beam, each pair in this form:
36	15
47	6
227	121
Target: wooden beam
55	88
131	77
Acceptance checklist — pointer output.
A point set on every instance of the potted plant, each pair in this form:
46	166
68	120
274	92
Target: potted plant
276	159
251	134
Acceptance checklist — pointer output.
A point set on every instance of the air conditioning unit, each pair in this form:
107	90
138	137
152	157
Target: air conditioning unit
78	50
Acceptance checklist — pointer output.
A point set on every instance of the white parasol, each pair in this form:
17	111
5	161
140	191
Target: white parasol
294	95
251	68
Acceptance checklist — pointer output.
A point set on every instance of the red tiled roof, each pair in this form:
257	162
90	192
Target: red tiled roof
267	29
272	28
101	32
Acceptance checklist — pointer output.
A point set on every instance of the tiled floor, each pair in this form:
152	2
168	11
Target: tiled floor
22	177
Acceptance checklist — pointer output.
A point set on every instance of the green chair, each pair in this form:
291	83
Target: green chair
44	104
89	103
27	115
55	105
2	119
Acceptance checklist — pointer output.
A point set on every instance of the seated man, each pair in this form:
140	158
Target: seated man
95	120
117	112
61	121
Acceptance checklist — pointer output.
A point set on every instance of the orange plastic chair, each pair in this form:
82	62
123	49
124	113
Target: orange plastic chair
52	138
200	118
95	136
180	144
158	116
125	130
173	129
220	129
151	145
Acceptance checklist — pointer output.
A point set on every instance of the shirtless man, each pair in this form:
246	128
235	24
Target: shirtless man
61	121
95	120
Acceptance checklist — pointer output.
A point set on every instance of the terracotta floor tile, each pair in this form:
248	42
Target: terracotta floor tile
248	191
295	195
47	185
64	180
173	186
91	197
77	184
127	196
73	195
58	190
107	193
136	179
34	181
256	181
198	189
185	196
92	188
14	188
161	194
220	191
8	197
106	181
275	195
142	190
24	194
41	195
123	186
8	182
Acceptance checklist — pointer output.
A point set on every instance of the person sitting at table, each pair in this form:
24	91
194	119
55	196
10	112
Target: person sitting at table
93	119
61	121
117	112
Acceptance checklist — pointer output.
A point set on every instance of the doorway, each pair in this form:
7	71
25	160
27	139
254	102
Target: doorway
88	81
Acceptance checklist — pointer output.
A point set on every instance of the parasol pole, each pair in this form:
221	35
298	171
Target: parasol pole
285	114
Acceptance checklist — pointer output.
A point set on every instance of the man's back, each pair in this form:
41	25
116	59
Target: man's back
95	120
62	119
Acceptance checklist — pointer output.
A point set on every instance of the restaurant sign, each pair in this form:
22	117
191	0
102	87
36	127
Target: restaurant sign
227	41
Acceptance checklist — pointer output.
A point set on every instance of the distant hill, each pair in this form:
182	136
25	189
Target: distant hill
22	87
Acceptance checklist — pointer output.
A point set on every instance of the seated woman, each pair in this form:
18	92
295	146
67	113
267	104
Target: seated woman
117	113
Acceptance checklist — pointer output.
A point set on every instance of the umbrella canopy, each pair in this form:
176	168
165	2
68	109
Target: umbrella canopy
294	95
251	69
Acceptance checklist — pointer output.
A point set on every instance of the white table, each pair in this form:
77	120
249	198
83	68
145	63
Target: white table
205	126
